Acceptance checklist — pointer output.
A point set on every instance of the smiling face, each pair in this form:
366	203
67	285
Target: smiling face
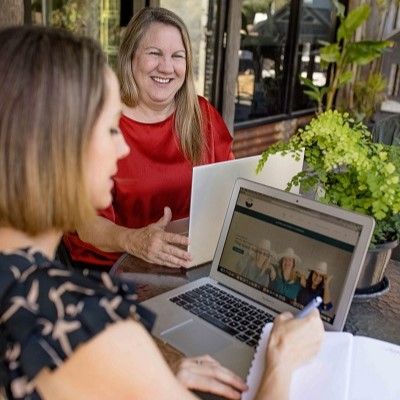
316	278
287	267
263	257
159	65
106	147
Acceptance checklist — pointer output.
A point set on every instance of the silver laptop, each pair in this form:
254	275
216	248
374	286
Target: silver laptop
223	314
212	186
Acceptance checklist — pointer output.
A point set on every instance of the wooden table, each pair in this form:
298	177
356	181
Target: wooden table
378	317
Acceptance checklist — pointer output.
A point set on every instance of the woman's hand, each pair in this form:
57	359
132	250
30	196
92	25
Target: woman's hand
207	375
328	279
303	279
154	245
292	343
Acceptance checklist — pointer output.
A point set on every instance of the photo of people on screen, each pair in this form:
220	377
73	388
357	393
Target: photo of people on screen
316	284
285	275
257	263
284	278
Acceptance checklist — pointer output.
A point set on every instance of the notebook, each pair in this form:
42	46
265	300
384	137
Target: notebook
223	314
211	188
347	368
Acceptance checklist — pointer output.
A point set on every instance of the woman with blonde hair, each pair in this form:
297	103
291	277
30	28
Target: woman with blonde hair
169	130
66	333
284	279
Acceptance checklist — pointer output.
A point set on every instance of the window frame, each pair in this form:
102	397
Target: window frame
223	102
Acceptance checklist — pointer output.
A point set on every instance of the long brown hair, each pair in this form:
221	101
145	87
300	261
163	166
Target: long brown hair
52	89
188	120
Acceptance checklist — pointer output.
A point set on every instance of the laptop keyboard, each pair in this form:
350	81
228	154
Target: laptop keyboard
228	313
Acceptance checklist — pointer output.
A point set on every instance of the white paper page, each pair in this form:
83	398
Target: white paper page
375	370
257	367
327	376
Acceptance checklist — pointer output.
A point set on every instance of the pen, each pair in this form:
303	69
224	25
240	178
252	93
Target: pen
314	303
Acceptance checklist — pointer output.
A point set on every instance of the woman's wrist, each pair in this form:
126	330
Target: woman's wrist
127	240
275	383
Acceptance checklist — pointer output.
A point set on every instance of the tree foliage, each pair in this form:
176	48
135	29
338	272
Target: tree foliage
344	53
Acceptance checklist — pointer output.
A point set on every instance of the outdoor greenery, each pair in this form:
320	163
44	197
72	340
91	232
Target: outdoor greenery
68	16
368	96
341	55
342	164
348	169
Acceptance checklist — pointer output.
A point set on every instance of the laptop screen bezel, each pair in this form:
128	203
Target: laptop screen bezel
365	222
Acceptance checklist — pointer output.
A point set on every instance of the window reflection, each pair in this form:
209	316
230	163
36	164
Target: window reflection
268	70
261	57
316	26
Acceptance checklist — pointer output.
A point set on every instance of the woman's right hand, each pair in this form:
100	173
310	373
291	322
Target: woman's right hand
292	343
154	245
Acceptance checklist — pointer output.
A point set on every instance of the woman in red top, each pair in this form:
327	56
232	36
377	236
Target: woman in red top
169	129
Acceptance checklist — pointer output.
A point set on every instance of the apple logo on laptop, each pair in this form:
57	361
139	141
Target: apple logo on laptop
249	203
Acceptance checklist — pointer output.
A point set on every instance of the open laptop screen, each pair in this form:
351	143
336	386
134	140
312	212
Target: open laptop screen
289	252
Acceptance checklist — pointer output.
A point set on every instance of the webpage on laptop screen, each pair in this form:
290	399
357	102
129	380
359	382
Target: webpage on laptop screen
289	252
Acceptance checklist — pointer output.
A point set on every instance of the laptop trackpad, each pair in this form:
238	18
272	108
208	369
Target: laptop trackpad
193	338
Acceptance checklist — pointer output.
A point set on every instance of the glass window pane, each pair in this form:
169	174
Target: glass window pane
316	25
195	15
261	59
97	19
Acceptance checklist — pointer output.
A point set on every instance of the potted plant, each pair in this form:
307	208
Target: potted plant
344	167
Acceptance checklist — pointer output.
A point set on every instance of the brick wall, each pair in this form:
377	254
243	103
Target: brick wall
252	141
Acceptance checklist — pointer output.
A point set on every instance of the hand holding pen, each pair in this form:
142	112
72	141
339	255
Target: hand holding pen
295	340
314	303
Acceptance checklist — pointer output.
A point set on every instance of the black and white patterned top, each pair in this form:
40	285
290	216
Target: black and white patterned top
47	311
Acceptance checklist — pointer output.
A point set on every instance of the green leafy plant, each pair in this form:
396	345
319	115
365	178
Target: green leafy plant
368	95
69	17
344	53
348	169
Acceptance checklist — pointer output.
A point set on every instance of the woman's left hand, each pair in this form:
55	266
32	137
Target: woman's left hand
328	280
207	375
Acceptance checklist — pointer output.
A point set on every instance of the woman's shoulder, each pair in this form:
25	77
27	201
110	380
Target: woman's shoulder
206	107
16	267
23	266
215	130
47	310
52	291
202	101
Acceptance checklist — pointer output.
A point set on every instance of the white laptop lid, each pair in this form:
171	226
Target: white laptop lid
316	233
212	186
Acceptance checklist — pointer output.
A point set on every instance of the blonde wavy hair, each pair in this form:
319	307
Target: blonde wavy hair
52	90
188	119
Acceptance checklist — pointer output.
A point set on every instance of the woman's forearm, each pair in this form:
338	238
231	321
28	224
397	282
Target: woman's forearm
327	295
136	365
104	234
275	385
150	243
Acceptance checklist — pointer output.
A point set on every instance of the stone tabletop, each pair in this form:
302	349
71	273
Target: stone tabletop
377	317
